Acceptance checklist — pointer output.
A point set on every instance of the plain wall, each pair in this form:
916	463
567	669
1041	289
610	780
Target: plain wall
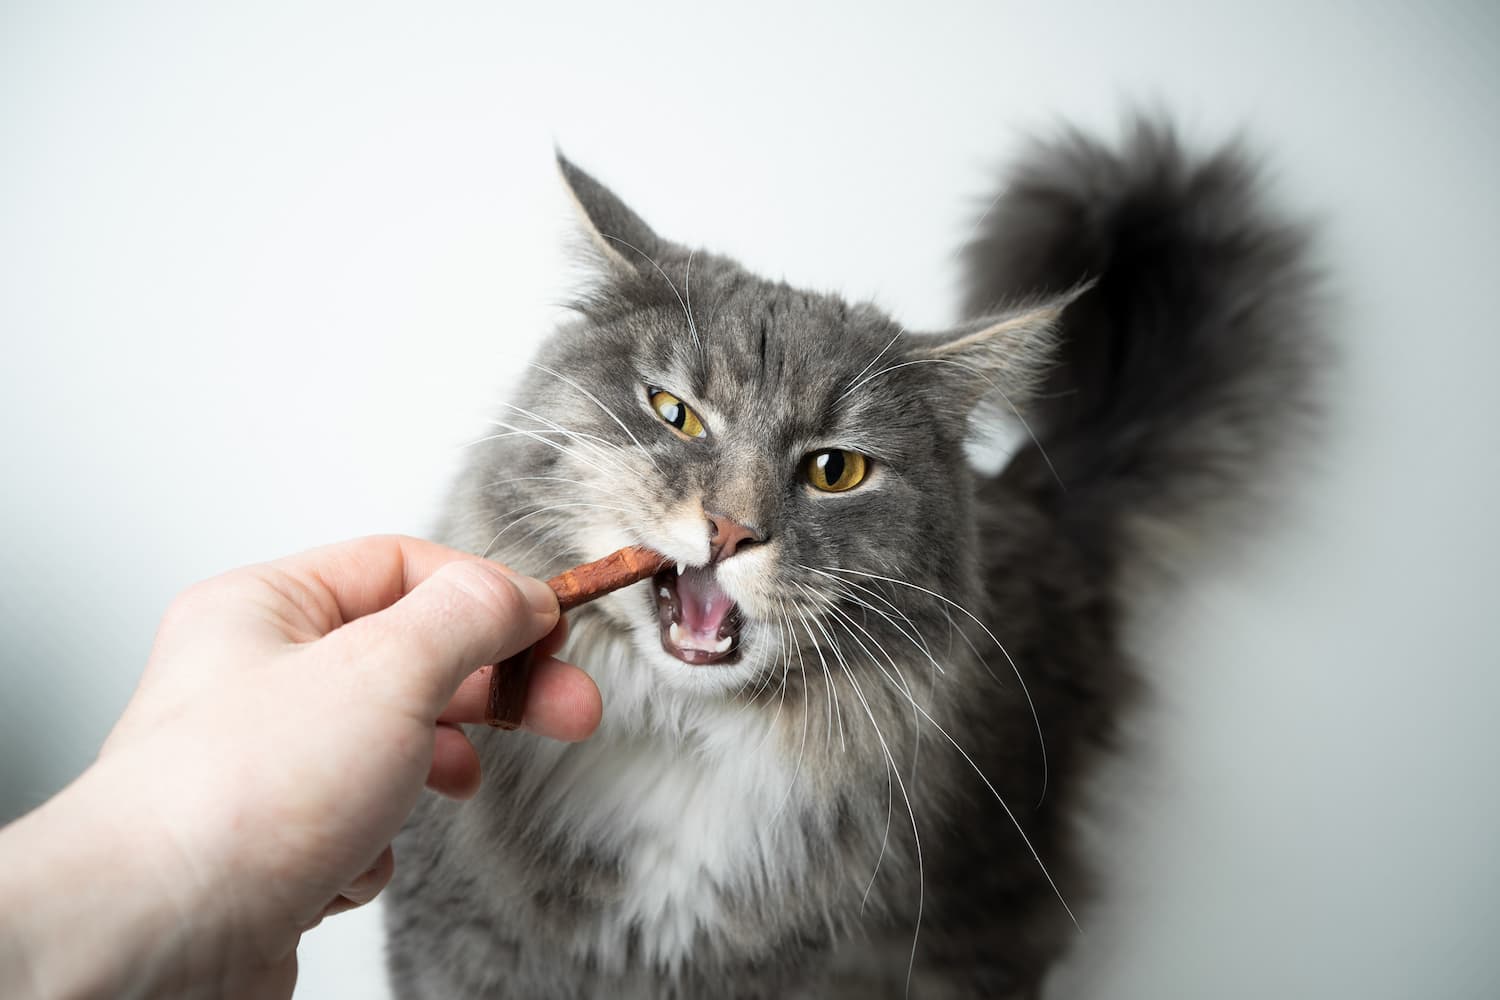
264	270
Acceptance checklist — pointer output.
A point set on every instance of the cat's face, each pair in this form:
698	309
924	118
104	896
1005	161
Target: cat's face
797	459
755	435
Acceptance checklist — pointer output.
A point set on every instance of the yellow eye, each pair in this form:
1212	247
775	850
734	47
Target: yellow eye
835	470
675	412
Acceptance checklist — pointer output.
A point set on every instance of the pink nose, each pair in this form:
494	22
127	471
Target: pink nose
727	536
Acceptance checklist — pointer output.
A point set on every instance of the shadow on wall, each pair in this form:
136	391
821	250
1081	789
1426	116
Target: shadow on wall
74	649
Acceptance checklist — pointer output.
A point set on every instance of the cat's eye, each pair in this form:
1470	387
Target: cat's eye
835	470
676	413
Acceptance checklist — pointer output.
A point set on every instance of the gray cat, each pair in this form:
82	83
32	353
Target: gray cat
844	737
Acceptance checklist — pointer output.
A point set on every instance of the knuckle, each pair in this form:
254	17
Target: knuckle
192	601
492	590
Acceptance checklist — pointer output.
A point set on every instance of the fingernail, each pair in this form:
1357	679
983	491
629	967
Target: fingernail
537	594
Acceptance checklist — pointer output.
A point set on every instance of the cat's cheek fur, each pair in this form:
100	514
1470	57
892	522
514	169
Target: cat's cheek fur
750	578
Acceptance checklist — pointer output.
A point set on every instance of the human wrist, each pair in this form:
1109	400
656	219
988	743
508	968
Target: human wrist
91	907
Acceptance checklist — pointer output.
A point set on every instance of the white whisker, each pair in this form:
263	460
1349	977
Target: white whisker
541	436
802	750
545	510
914	636
595	400
542	479
692	327
850	385
832	705
849	625
786	665
1035	718
993	791
978	374
605	448
890	798
687	286
1015	822
911	812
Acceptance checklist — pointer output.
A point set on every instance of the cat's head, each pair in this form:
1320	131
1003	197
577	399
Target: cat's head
798	458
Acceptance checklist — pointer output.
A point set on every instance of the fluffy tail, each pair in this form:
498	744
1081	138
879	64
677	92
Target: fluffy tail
1188	367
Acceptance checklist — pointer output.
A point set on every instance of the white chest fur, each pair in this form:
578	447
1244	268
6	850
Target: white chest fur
697	804
687	827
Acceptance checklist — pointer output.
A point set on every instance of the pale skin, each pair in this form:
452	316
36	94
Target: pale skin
288	718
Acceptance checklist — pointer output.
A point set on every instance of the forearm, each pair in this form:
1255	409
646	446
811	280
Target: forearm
86	907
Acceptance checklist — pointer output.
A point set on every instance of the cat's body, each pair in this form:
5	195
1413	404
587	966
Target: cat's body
866	795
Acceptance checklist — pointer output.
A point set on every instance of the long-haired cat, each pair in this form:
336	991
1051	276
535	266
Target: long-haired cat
844	737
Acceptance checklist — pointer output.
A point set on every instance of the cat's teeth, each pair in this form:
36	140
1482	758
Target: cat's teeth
676	633
724	644
664	592
680	568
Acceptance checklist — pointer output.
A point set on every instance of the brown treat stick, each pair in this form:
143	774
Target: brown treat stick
511	678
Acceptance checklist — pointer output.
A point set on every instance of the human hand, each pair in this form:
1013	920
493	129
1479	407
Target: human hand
288	718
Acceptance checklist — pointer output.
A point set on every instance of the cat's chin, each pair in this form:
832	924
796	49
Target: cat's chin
712	681
741	671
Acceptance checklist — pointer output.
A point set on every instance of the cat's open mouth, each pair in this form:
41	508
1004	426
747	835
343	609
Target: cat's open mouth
699	623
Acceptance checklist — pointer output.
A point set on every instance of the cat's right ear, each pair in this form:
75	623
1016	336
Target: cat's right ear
617	236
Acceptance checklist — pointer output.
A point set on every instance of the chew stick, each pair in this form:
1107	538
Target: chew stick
510	679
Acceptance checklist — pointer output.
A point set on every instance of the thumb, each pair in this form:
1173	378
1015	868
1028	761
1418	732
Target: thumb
468	613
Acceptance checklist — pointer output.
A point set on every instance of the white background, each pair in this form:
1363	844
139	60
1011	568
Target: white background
263	270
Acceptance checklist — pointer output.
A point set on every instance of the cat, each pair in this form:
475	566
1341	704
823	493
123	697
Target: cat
846	734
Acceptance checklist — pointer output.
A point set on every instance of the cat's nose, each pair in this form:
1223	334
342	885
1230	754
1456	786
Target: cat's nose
726	536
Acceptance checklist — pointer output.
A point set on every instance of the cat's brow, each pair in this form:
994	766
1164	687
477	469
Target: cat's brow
692	327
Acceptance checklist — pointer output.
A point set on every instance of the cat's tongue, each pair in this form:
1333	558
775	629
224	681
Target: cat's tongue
704	608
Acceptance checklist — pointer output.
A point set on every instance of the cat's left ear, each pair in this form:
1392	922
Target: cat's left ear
1006	355
617	236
